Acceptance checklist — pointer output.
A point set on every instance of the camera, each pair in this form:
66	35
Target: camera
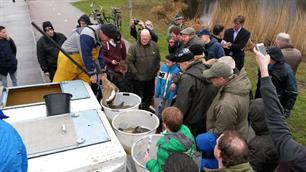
136	21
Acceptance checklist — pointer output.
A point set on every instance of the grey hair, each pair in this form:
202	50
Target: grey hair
284	37
228	60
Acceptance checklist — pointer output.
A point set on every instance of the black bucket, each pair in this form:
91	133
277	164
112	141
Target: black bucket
57	103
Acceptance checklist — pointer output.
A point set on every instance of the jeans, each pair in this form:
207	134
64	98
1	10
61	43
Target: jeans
13	77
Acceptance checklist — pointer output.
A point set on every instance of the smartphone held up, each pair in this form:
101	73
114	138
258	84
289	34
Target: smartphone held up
261	48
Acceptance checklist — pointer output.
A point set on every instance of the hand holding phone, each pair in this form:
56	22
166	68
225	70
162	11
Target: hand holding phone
261	48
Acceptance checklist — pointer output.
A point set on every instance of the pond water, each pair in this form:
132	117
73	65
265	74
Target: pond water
206	8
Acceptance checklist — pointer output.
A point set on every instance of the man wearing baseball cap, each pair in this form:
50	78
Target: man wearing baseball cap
195	93
229	109
213	48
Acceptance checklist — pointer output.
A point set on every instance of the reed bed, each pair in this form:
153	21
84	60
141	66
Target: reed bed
264	23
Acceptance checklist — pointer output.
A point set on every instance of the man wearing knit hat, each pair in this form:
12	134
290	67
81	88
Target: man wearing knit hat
195	93
47	52
229	109
177	22
84	21
198	51
83	46
283	79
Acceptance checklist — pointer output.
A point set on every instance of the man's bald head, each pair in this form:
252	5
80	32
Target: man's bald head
145	36
233	149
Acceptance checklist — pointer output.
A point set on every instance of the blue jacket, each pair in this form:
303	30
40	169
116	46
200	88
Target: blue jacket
13	155
164	80
214	49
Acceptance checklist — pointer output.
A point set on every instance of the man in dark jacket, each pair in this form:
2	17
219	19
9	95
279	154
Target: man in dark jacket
175	43
213	49
263	154
292	154
47	52
195	93
283	79
235	40
143	63
8	61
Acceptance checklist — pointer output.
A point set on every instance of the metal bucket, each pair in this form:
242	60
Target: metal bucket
133	118
139	149
57	103
128	99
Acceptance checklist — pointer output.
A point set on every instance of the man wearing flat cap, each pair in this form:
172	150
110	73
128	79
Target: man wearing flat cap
229	109
195	93
283	79
83	46
189	37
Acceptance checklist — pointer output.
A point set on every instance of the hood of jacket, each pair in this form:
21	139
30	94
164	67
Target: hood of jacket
174	145
257	117
212	41
245	167
196	69
239	85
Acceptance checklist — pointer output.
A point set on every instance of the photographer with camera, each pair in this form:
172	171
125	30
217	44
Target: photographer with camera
142	25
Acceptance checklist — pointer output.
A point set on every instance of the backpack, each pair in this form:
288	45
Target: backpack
195	155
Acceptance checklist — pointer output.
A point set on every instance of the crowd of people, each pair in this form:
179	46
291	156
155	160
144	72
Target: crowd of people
206	102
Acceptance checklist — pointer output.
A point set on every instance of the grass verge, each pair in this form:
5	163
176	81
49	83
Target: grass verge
141	11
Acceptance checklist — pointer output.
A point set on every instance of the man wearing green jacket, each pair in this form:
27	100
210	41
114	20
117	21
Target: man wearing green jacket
177	138
229	109
143	63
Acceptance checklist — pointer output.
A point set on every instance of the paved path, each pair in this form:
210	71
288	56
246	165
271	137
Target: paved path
60	13
15	17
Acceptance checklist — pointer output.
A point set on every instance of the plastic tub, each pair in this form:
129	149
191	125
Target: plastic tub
139	149
133	118
128	99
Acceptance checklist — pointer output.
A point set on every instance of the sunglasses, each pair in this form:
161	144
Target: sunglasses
49	29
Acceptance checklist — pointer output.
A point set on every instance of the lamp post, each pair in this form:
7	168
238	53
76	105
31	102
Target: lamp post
130	9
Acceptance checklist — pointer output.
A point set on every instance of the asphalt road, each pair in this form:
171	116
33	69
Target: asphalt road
17	18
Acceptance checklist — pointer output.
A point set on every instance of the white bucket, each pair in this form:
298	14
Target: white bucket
147	143
133	118
129	99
